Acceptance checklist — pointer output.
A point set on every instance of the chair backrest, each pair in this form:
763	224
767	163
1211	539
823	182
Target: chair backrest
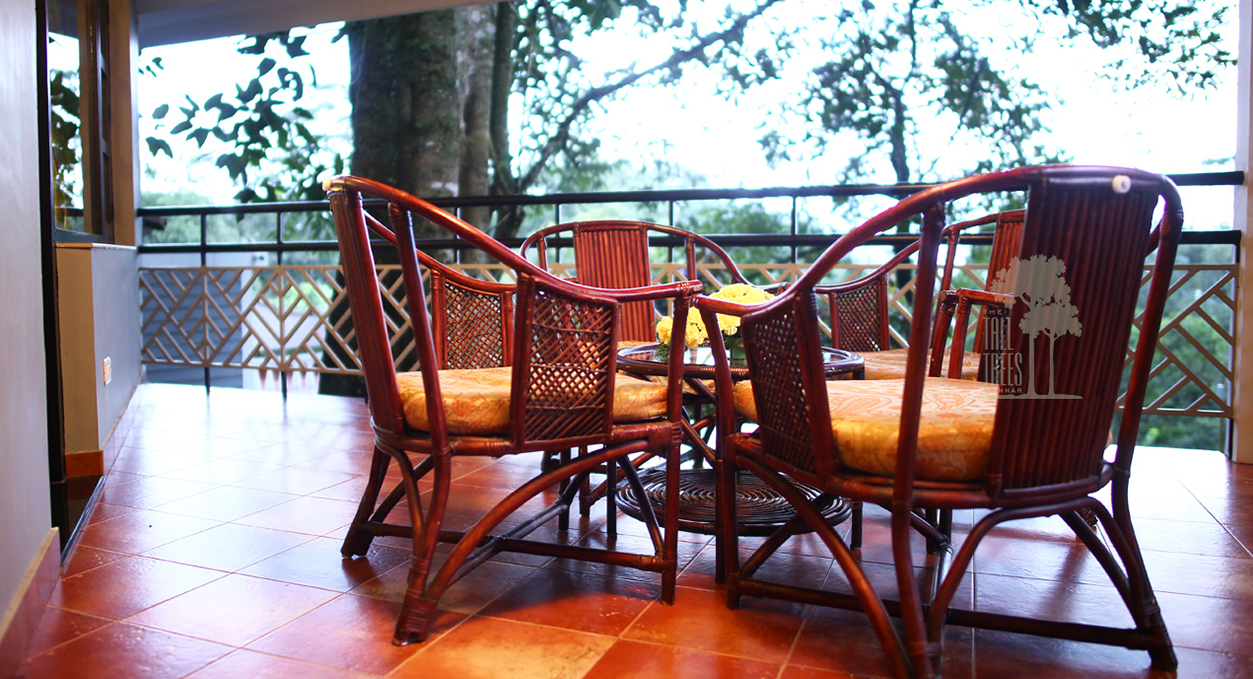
1075	289
615	254
1005	244
472	318
859	308
563	381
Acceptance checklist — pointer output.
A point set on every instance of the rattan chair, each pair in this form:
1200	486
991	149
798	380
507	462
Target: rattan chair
859	308
920	445
615	254
559	390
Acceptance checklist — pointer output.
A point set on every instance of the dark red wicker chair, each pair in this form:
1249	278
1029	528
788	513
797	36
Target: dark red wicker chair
860	308
561	387
615	254
1020	450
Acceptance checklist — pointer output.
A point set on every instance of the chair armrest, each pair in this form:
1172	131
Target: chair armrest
956	305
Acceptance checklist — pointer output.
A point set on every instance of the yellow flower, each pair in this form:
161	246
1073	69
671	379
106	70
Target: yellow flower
696	333
664	327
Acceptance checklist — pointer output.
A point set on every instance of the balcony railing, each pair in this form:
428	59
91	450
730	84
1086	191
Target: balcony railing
276	309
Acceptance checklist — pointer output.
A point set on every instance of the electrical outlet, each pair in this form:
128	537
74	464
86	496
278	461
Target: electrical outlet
107	370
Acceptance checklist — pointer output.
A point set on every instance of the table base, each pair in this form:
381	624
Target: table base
759	509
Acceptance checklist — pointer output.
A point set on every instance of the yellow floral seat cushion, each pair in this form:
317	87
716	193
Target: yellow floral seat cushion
955	430
890	364
476	402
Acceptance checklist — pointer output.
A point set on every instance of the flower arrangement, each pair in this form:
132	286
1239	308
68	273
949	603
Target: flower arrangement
696	334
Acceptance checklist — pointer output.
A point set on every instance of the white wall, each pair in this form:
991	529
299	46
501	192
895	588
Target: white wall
24	504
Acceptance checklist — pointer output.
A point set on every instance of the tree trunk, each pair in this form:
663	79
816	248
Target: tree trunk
406	110
476	26
504	182
406	127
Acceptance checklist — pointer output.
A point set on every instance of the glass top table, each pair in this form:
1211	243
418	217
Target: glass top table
759	510
698	363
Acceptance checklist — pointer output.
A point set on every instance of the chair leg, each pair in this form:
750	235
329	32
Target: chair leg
726	537
418	608
357	541
1142	602
563	521
611	498
855	535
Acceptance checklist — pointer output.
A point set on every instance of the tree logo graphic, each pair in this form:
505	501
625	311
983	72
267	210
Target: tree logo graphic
1040	283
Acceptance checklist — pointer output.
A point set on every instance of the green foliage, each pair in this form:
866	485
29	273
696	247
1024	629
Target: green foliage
260	131
67	143
1177	41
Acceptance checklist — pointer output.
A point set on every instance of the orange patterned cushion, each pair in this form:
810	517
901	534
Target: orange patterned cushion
476	402
890	364
955	433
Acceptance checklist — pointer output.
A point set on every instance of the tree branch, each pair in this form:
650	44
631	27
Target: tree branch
558	141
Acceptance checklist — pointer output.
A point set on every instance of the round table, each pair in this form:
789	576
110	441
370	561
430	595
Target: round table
759	509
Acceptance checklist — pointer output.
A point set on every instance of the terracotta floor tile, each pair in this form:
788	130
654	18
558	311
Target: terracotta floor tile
350	490
233	610
226	503
1047	559
351	633
141	530
845	643
1002	655
60	625
1051	599
228	547
149	461
296	480
635	544
760	629
312	515
1207	623
1188	537
583	602
253	665
798	672
472	592
285	452
103	511
122	650
1195	664
150	491
86	558
116	478
480	647
348	461
1242	534
1204	575
123	588
222	470
318	563
635	660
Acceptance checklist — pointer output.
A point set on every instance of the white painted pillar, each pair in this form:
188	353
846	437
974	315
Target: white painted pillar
1242	441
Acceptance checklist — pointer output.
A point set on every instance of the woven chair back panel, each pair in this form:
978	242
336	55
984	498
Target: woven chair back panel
1006	241
617	257
1076	282
473	337
772	347
570	368
860	317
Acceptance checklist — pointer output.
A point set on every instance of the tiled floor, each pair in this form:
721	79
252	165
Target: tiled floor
214	552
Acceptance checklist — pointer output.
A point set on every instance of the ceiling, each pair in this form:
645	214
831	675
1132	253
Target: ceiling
163	22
